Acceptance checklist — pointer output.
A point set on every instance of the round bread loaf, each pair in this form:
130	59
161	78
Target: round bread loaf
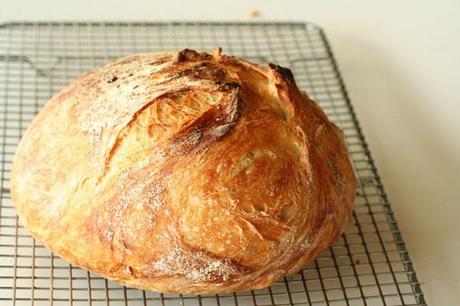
184	172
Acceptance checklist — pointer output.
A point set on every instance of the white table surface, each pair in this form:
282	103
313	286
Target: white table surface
401	63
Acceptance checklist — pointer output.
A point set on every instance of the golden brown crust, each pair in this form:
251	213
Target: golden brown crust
184	172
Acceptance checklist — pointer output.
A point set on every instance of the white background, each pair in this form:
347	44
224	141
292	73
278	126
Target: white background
401	63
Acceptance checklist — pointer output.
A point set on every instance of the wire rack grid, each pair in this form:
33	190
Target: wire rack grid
368	265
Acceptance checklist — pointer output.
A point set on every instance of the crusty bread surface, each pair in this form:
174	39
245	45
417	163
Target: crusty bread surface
184	172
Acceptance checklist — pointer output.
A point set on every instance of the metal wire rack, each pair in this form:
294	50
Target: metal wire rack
368	265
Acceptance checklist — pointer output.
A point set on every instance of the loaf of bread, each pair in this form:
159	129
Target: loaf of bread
184	172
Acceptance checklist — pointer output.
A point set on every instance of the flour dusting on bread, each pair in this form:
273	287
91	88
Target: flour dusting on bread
194	265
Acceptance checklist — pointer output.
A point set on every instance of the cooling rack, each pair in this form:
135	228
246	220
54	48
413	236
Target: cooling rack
368	265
